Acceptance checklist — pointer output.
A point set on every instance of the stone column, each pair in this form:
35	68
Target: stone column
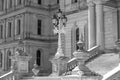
100	23
91	24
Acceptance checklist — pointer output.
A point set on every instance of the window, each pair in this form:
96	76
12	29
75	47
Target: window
9	29
74	1
39	2
39	27
19	2
8	59
1	31
2	4
10	3
18	26
38	59
1	57
58	2
77	37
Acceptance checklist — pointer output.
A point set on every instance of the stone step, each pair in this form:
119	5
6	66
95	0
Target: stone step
52	78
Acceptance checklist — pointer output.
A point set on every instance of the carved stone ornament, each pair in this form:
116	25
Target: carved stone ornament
35	70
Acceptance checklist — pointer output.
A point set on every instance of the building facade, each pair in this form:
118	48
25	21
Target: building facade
96	22
28	24
28	21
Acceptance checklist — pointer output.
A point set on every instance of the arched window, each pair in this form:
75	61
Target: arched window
77	37
1	57
8	59
38	58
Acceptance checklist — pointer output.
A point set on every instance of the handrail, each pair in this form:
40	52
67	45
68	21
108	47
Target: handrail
91	49
8	76
72	63
93	52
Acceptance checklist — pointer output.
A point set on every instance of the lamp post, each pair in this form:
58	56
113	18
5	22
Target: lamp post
59	21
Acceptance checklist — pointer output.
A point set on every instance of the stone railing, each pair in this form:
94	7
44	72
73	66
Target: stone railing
74	62
93	52
80	5
8	76
72	7
71	65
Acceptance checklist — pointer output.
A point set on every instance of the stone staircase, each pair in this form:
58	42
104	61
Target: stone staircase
70	66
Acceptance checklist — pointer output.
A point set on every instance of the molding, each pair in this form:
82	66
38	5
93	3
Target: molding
109	8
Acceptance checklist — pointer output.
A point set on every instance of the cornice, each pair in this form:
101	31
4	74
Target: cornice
98	1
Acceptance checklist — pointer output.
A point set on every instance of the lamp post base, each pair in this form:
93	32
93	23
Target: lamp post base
59	53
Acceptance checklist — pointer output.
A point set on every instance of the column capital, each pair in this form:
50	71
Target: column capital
90	3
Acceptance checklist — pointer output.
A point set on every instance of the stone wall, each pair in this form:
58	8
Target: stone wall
75	20
110	27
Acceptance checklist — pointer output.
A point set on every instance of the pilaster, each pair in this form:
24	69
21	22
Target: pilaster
100	23
91	24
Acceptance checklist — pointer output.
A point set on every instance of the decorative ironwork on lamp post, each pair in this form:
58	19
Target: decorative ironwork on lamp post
59	21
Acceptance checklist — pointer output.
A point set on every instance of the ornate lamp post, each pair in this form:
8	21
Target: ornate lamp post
59	22
59	60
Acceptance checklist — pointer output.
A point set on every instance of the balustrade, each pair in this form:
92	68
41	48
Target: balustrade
80	5
74	62
93	52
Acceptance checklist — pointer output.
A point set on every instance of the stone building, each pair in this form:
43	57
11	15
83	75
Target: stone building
96	23
27	24
96	20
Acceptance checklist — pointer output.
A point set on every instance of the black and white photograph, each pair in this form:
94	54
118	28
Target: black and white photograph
59	39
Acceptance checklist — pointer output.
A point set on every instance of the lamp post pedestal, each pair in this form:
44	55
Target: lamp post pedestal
59	65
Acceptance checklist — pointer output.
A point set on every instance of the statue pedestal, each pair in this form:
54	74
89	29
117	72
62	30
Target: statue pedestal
59	66
20	62
23	64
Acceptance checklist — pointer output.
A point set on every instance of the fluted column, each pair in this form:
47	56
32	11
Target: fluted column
91	24
100	23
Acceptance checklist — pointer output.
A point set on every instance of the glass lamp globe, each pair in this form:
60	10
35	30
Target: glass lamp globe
54	20
59	13
64	19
